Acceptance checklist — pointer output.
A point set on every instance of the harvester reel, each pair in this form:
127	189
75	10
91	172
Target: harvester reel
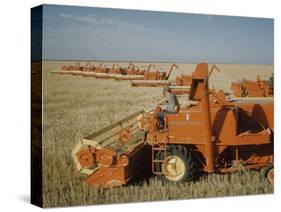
82	150
178	166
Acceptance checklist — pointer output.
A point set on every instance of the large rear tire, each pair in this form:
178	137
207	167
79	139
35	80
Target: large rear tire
178	166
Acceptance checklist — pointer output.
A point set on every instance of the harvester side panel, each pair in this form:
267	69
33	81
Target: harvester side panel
186	126
251	114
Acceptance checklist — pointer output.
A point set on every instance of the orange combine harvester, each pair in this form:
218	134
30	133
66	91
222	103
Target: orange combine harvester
183	83
132	73
250	88
210	135
101	71
154	78
70	69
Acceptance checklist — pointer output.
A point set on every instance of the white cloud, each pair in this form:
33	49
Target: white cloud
91	19
86	19
66	16
106	21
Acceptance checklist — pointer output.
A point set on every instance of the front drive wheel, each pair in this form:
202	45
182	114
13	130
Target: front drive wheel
178	166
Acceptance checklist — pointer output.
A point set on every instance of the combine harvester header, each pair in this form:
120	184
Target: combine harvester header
113	155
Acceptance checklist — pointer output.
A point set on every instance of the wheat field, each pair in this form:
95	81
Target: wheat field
74	106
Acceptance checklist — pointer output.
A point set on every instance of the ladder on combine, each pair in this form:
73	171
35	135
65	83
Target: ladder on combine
156	147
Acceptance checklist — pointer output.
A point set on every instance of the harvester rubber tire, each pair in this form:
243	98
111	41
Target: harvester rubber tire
190	167
265	173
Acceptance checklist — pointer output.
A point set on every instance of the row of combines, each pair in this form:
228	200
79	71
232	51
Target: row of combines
141	77
132	72
210	135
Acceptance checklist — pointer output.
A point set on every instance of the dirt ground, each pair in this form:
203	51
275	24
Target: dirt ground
74	106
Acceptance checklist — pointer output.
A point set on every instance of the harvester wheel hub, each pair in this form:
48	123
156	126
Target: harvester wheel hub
268	173
173	168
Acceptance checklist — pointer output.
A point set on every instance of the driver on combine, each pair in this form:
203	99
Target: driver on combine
171	107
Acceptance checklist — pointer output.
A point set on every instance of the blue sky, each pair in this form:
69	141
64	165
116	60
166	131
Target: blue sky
88	33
